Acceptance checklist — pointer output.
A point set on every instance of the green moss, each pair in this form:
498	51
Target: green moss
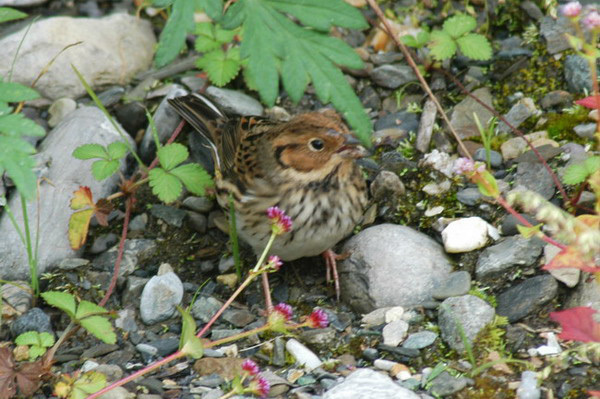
480	293
560	126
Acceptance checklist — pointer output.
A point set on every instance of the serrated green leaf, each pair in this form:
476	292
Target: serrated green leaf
459	24
10	14
89	383
205	37
12	92
46	339
16	160
91	151
28	338
220	66
442	46
592	164
87	308
61	300
164	185
475	47
224	35
575	174
162	3
213	8
103	169
194	177
528	232
189	344
294	76
172	155
322	15
18	125
409	40
36	351
117	150
100	328
335	49
172	38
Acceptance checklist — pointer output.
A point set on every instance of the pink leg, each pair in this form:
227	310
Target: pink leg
331	259
267	292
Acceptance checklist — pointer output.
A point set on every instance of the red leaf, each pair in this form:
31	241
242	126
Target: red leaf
589	102
578	324
594	394
570	257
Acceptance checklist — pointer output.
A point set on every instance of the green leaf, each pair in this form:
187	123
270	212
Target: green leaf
592	164
234	16
117	150
194	177
12	92
38	342
103	169
335	49
213	8
220	66
189	343
475	47
18	125
100	328
87	384
575	174
487	184
322	15
441	45
86	309
528	232
164	185
294	76
172	155
91	151
36	351
162	3
459	24
28	338
46	339
172	38
205	37
61	300
10	14
16	160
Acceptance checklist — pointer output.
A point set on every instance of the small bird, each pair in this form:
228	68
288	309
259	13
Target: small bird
304	166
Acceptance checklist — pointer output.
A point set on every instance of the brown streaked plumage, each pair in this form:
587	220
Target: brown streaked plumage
305	167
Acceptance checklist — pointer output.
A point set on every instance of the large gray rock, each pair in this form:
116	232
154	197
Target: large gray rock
508	253
64	175
369	384
391	265
112	50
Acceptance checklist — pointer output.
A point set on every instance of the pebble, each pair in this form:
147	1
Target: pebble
468	311
303	355
518	114
553	30
160	296
139	222
72	263
462	115
420	340
199	204
395	332
235	102
566	275
577	74
238	317
394	313
515	146
103	242
586	130
457	284
392	76
33	320
367	383
319	337
495	157
523	299
446	384
535	177
465	235
172	216
402	121
528	389
17	301
509	223
469	196
556	98
205	307
197	221
135	251
387	186
126	320
375	317
508	253
59	109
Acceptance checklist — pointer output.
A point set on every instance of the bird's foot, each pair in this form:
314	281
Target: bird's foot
331	259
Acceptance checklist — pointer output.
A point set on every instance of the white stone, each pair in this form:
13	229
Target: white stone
374	318
303	355
394	314
383	364
369	384
465	235
395	332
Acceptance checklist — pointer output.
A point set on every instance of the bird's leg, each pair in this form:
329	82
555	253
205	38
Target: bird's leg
267	292
331	259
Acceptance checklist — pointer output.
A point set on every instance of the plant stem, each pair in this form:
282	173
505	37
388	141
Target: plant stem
263	256
30	256
233	236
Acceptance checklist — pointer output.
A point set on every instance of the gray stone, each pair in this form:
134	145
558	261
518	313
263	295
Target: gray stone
133	289
393	76
369	384
102	242
33	320
585	130
205	307
532	10
467	311
462	115
165	121
173	216
139	222
495	157
457	283
387	187
126	320
21	3
199	204
391	265
319	337
426	125
160	297
469	196
546	151
238	317
518	114
577	74
508	253
556	98
403	120
17	300
72	263
553	30
59	109
420	340
394	332
446	384
535	177
165	346
235	102
510	223
198	222
135	251
524	298
511	48
113	50
64	175
586	294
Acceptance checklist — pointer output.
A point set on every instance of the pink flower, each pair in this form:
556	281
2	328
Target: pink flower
259	386
318	319
463	166
285	310
572	9
280	222
592	20
250	367
274	263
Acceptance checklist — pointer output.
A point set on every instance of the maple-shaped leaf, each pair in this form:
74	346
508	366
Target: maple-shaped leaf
589	102
79	222
578	324
571	257
25	377
8	387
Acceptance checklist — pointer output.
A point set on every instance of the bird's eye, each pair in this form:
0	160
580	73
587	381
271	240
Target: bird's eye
316	144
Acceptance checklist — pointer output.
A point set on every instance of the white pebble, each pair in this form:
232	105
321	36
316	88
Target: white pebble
465	235
303	355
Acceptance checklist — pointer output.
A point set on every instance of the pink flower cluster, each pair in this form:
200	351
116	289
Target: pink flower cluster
284	310
591	18
464	166
572	9
280	222
318	319
274	263
258	385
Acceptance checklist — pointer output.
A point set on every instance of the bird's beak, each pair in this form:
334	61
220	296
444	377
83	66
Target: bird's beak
352	148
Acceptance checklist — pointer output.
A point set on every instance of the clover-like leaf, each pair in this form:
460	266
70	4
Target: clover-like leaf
103	169
91	151
475	47
172	155
164	185
62	300
458	25
442	46
194	177
117	149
